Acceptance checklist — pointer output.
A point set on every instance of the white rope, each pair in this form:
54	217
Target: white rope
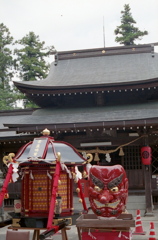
15	174
31	175
78	174
64	167
122	235
23	175
48	174
91	235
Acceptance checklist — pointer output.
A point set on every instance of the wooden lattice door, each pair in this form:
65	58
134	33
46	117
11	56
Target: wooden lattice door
133	166
154	163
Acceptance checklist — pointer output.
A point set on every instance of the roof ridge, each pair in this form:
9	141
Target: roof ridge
107	51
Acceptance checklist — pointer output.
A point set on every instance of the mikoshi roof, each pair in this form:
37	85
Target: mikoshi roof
45	150
102	67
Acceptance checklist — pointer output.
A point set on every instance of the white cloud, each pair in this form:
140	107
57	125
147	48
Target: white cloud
76	24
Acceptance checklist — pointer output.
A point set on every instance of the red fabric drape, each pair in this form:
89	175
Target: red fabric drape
5	184
82	195
53	197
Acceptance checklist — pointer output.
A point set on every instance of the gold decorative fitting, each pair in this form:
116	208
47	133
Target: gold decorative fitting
8	159
89	157
46	132
84	174
77	190
96	188
80	200
121	153
59	182
96	157
58	156
103	51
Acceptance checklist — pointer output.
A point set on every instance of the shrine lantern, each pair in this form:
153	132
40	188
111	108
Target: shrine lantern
146	155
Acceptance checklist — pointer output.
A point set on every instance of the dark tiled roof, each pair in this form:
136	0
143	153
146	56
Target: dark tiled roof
12	116
99	70
86	115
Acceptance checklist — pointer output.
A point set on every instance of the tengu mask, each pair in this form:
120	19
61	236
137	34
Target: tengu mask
108	190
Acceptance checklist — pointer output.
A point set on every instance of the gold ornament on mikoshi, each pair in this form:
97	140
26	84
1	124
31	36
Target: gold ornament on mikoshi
46	132
59	182
77	190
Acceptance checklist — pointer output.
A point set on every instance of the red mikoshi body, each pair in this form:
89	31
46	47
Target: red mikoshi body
38	170
146	155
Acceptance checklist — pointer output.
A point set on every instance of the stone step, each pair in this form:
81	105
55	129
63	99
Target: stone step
134	203
136	198
134	213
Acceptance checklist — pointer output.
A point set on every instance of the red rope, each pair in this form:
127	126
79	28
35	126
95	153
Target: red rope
53	197
82	196
5	184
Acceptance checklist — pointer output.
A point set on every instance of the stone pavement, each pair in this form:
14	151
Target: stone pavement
73	235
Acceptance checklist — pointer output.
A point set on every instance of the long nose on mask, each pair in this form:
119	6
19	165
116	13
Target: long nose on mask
105	197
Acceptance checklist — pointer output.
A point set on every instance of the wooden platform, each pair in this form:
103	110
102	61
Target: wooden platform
89	225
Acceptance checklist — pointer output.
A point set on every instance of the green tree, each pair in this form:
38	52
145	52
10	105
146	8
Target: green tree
7	96
6	61
30	60
126	33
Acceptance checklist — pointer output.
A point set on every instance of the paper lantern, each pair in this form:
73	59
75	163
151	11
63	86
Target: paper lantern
146	155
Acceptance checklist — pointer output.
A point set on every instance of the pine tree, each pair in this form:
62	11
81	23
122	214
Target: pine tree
127	33
7	96
30	61
31	58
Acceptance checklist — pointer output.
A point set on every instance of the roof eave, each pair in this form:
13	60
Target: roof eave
113	86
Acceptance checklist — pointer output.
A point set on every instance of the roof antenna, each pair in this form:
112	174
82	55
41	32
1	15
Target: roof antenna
103	33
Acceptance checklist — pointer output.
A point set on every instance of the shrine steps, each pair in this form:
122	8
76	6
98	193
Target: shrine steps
136	202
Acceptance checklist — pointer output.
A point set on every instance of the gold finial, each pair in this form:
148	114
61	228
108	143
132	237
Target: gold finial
46	132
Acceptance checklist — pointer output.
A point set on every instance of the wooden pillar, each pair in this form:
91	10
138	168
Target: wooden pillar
148	190
1	157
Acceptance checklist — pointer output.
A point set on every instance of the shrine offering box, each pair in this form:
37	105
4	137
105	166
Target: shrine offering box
90	227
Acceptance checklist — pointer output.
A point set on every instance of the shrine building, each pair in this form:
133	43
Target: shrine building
103	101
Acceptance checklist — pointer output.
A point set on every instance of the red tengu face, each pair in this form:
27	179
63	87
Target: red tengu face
108	190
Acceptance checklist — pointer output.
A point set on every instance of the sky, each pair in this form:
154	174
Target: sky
77	24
